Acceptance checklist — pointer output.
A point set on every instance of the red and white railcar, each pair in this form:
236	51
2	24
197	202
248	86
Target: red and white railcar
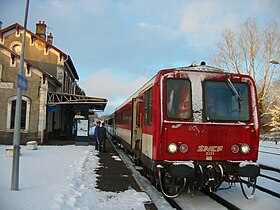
192	127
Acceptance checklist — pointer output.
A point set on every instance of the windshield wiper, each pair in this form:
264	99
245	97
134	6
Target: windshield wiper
236	93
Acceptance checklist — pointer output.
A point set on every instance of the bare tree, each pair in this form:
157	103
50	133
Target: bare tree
272	113
249	51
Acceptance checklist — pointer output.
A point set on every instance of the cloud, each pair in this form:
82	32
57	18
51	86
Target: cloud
116	88
264	6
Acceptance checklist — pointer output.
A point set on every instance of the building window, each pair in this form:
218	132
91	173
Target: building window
1	70
16	47
25	112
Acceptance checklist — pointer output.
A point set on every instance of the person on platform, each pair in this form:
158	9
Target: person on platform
102	136
96	133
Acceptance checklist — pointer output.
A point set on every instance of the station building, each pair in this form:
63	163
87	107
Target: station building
50	104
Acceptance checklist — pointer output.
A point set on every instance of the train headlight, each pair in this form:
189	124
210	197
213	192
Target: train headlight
184	148
235	148
172	148
244	148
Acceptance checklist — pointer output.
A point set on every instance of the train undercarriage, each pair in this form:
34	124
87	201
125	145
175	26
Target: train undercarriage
173	178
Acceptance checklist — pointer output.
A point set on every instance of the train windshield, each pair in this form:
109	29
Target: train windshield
222	101
178	99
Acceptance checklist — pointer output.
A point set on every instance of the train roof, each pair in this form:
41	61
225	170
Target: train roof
202	67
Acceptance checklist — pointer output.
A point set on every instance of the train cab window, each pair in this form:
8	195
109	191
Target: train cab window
178	99
223	102
148	107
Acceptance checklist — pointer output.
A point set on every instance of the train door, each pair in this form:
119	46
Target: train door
136	137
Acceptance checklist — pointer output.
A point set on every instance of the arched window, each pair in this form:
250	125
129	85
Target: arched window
16	47
25	112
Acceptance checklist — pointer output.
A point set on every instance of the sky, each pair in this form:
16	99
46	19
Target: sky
118	45
47	181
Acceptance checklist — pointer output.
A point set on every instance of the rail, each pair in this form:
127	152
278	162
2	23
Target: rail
270	168
220	200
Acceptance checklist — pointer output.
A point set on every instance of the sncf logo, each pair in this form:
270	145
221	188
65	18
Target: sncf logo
210	150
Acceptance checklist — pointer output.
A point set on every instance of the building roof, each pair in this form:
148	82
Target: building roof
17	27
28	63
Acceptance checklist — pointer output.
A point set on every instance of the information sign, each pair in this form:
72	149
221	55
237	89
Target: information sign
22	82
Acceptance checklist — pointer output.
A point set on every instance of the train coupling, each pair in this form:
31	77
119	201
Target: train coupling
249	169
182	169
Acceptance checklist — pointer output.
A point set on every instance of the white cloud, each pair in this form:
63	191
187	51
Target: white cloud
268	5
198	16
116	88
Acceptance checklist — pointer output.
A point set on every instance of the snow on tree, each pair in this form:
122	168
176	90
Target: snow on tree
273	110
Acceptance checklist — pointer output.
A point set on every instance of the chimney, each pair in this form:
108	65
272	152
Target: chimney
41	29
50	38
0	25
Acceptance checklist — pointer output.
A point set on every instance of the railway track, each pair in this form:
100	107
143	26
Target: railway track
274	150
274	179
271	153
220	203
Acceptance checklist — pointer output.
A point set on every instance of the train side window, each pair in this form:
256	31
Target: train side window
129	116
139	114
178	99
148	107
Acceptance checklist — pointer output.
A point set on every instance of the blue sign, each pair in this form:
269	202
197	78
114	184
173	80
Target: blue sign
22	82
52	109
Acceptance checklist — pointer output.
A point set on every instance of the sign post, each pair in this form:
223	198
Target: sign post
22	84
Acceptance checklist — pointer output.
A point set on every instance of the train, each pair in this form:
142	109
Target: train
192	128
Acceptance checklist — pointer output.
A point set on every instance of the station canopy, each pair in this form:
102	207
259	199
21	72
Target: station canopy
93	103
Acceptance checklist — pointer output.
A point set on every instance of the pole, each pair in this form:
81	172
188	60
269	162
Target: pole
16	139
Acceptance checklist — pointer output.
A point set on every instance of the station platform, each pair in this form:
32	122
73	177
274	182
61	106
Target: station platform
114	175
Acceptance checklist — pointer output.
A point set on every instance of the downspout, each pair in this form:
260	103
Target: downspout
43	105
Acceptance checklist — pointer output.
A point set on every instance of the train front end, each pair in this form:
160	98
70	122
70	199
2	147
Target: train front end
209	129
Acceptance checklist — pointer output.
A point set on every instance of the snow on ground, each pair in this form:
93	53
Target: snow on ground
269	159
63	177
60	177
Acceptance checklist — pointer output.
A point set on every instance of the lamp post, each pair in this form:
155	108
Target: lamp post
16	139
